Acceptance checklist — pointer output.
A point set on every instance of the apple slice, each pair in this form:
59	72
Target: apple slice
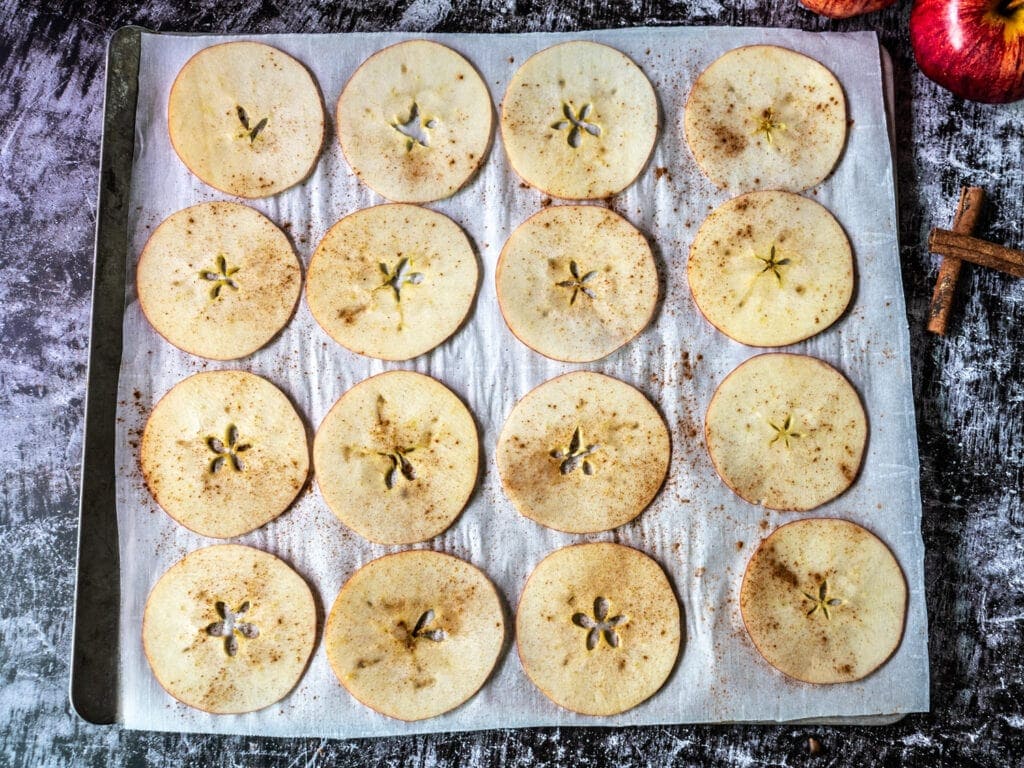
583	453
396	457
576	282
579	120
229	629
415	634
414	121
786	431
764	117
824	601
224	452
598	628
771	268
392	281
218	280
246	118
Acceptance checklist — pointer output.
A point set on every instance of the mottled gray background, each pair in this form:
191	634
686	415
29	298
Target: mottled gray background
969	386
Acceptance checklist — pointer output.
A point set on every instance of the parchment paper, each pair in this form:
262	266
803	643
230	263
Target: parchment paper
696	528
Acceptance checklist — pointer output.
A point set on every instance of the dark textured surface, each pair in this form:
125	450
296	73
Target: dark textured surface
970	390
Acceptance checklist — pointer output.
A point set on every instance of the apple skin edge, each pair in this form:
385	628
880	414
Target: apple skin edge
845	9
974	48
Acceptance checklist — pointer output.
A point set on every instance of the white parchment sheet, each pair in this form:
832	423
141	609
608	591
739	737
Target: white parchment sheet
696	528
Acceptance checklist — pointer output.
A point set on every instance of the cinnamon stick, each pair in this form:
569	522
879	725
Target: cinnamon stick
976	251
964	221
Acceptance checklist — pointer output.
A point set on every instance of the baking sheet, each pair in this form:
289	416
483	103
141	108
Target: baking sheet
696	528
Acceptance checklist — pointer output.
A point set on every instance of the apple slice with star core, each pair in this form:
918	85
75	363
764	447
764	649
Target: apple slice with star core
824	601
771	268
786	431
765	117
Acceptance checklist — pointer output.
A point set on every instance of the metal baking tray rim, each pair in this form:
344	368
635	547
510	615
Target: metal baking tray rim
95	663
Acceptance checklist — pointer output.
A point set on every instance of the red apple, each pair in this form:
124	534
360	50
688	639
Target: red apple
975	48
844	9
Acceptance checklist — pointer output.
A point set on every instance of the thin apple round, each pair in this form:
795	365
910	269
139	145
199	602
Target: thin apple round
771	268
246	118
229	629
579	120
218	280
765	117
224	452
582	453
576	282
414	121
415	634
786	431
396	457
598	628
392	281
824	601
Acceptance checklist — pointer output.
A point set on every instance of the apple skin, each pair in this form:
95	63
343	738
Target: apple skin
975	48
844	9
